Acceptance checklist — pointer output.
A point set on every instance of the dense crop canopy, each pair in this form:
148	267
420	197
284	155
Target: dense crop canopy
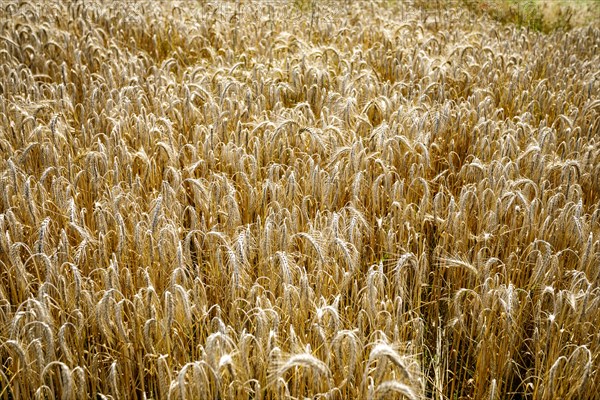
265	200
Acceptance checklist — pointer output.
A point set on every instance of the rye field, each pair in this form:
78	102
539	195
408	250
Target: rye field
299	199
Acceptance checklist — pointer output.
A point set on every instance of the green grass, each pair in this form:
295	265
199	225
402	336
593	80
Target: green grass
540	15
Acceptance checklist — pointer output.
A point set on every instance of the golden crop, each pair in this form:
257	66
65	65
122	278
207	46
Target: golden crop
265	200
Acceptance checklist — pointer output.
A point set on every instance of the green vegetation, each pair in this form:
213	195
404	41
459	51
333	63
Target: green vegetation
541	15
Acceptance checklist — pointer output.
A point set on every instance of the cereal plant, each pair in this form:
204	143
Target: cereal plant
310	199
